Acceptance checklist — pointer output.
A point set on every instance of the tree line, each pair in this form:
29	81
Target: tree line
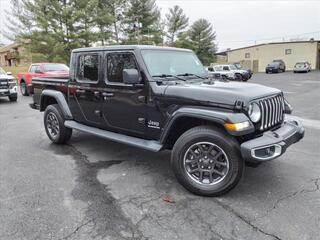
50	29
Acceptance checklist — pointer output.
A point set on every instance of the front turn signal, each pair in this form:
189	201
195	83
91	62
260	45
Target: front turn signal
237	126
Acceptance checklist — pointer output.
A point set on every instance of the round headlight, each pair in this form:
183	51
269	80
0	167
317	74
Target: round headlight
254	112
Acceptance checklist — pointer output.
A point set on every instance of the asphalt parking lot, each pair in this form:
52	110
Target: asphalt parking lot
97	189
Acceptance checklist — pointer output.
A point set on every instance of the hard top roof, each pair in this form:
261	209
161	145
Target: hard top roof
128	47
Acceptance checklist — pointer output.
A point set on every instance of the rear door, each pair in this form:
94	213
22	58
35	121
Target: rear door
85	88
123	105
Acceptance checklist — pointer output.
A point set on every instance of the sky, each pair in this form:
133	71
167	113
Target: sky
240	23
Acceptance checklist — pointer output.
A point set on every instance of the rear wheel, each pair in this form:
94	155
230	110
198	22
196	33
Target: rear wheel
54	125
24	89
207	161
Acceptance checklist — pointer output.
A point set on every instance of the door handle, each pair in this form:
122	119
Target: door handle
107	94
80	91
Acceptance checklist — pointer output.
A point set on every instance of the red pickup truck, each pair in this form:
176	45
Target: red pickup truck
40	70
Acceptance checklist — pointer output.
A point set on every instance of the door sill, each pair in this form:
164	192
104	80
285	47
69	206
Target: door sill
150	145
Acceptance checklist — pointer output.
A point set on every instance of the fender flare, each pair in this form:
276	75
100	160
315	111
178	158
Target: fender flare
61	100
212	115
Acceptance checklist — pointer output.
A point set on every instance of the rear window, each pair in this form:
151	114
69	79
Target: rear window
88	69
55	67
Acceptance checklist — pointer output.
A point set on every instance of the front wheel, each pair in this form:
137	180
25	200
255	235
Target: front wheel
207	161
54	125
24	89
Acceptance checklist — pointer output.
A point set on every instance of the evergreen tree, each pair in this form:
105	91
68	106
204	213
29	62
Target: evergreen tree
117	10
143	22
201	37
176	22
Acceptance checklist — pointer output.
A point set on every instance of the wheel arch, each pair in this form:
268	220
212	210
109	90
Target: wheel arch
187	118
49	97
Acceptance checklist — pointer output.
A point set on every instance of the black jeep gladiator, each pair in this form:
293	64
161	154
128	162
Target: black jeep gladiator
158	98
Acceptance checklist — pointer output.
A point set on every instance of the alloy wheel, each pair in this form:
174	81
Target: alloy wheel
206	163
53	125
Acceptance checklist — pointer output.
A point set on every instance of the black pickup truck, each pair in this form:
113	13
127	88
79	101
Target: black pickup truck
159	98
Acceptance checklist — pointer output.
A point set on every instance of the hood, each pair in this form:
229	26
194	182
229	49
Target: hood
6	77
219	92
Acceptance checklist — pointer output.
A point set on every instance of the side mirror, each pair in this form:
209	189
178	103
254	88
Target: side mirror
9	73
210	69
37	71
131	76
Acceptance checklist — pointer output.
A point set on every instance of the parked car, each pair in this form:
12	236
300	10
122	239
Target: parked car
239	74
275	67
302	67
8	86
40	70
220	74
158	98
238	66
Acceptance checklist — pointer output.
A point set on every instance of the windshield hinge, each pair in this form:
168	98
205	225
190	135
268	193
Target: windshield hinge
238	105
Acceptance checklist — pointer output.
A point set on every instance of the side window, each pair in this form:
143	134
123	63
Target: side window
225	68
33	68
116	62
88	67
37	69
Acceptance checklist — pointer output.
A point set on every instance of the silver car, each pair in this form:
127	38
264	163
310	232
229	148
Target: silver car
302	67
8	86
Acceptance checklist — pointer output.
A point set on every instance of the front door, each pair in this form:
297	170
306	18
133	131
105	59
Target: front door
85	89
123	105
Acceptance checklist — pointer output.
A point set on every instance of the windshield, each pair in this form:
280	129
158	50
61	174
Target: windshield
237	65
55	67
274	64
161	62
232	67
2	71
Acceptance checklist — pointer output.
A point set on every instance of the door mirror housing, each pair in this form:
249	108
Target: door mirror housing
131	76
9	73
37	71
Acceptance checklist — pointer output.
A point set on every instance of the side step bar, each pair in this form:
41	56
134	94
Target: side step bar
150	145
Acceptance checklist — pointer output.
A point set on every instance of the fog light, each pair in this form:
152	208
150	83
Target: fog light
267	152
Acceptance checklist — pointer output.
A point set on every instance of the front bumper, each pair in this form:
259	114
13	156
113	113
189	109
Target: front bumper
9	91
272	144
272	70
300	70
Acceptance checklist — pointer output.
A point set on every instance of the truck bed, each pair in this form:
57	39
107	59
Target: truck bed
55	83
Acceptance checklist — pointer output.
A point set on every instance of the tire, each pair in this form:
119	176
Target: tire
54	125
226	151
13	98
239	77
24	88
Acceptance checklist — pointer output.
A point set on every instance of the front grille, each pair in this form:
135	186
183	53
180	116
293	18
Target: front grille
4	84
272	109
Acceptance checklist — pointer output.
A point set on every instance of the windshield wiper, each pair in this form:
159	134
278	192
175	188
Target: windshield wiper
191	74
169	76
